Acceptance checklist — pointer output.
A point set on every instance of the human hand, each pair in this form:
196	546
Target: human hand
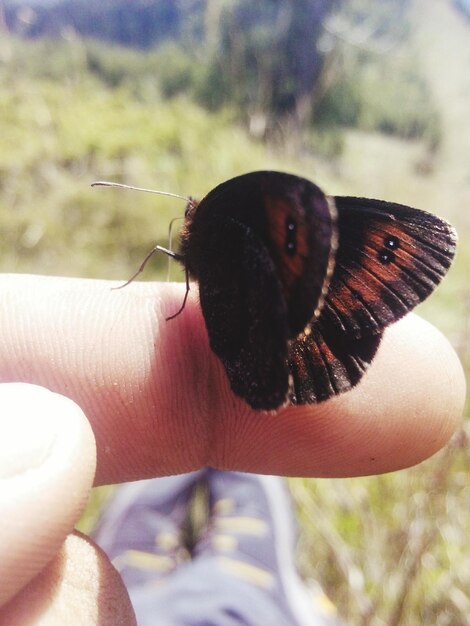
159	403
47	465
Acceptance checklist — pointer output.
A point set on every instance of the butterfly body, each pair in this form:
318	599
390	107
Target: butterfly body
297	287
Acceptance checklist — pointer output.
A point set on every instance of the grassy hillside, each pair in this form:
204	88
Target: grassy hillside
390	550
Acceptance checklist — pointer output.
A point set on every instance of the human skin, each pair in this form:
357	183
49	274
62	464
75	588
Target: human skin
113	392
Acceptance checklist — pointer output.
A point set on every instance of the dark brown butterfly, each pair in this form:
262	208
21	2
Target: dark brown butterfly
296	287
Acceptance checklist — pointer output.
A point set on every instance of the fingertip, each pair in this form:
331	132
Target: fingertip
48	463
79	586
406	407
420	373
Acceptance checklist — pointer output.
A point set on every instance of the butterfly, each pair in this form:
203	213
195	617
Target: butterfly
297	287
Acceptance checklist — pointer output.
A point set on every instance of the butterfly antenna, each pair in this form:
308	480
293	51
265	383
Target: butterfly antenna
168	252
105	183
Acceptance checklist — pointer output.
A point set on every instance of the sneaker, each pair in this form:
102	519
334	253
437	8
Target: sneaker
141	530
252	534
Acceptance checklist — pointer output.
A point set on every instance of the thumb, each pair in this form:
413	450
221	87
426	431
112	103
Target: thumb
47	464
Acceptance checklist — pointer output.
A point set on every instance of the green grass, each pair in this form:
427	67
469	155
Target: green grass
390	549
57	139
390	96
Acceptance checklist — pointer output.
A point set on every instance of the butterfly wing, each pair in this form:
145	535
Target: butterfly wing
390	258
244	311
301	237
290	217
324	363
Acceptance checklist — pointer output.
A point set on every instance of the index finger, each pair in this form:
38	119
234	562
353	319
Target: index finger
159	402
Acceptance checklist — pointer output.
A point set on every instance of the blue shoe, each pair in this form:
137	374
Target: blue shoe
251	536
141	529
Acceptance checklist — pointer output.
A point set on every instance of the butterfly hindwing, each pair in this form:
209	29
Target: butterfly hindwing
245	313
323	365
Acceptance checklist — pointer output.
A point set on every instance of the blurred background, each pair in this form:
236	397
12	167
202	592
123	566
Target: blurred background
364	98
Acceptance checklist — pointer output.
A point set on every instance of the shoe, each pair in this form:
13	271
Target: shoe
252	532
141	530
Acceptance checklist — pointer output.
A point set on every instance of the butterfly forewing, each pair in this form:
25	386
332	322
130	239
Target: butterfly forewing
390	258
291	218
301	238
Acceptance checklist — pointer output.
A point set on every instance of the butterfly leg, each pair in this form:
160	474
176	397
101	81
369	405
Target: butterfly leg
156	248
180	310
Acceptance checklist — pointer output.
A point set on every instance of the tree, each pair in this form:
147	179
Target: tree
266	56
